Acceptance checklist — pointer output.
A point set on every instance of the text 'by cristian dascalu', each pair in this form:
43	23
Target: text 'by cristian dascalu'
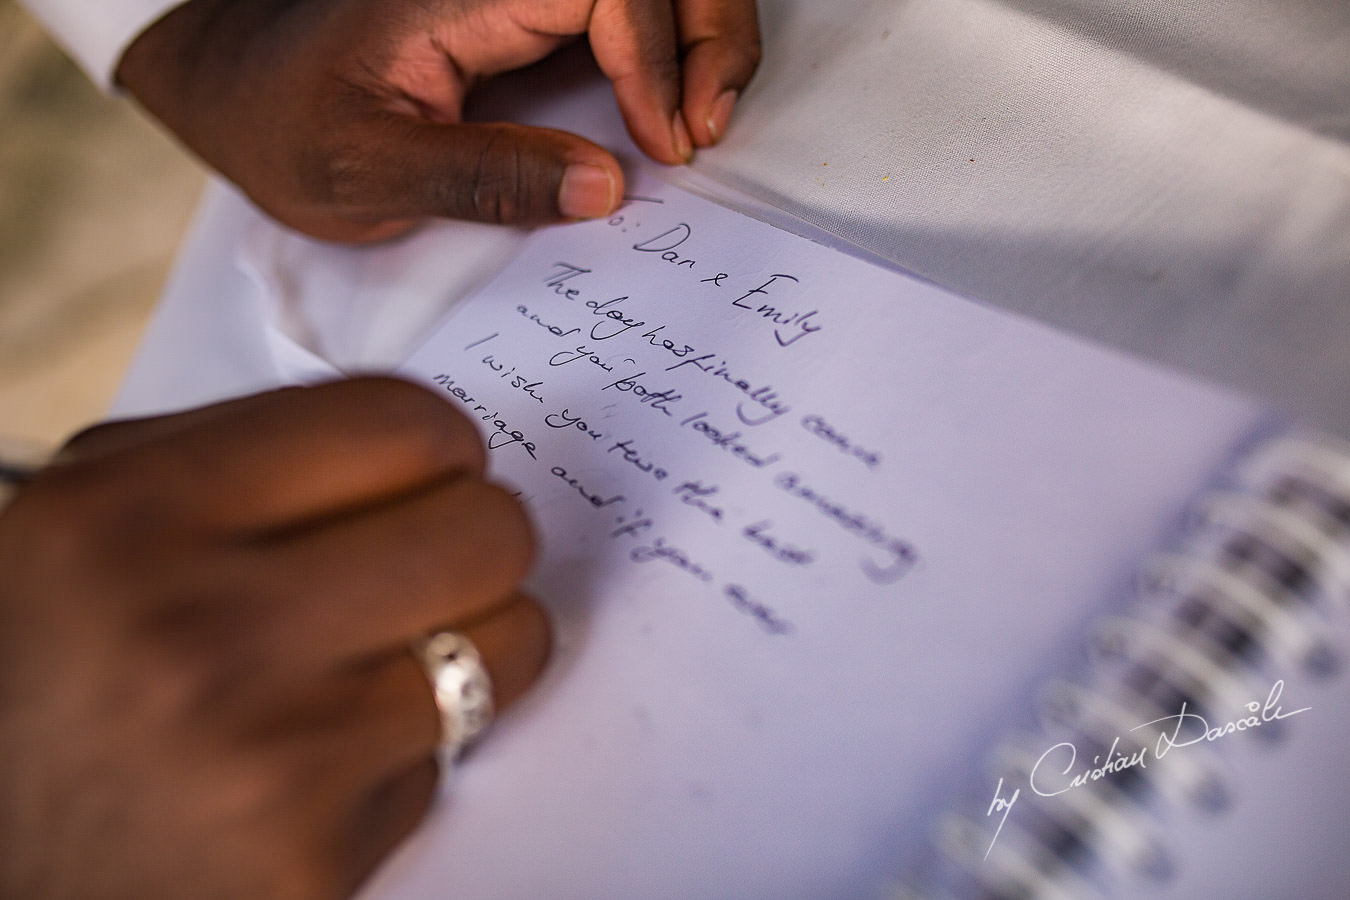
1059	769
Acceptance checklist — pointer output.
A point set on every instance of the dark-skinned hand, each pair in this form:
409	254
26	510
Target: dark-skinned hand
206	689
343	118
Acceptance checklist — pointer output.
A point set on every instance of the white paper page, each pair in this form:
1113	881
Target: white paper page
813	532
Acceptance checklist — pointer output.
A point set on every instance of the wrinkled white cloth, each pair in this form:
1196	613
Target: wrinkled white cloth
97	34
1171	178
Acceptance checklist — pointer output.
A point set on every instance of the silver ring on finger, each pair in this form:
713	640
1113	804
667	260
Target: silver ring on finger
462	688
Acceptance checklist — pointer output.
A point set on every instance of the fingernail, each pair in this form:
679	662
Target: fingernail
719	113
684	146
586	192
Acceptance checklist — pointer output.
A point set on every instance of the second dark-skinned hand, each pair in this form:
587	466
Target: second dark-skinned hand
343	118
206	689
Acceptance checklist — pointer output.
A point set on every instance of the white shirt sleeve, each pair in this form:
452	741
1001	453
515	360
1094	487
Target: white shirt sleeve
97	34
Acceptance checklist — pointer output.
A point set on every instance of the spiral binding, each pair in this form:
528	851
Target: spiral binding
1249	593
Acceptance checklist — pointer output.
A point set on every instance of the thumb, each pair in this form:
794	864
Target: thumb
405	169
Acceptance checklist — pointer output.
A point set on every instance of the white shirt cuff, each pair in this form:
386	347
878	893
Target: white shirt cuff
97	34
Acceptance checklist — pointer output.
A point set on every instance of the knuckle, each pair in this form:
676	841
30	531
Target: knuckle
538	630
312	877
754	52
291	858
512	181
489	531
259	786
515	543
421	424
497	184
199	650
89	439
290	800
112	555
98	519
338	175
660	63
401	398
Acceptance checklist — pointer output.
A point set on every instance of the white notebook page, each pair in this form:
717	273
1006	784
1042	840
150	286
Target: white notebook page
813	532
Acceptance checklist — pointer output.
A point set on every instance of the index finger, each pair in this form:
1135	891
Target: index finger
635	46
719	40
283	457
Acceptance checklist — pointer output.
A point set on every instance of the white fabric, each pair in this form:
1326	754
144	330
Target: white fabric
1172	178
96	34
